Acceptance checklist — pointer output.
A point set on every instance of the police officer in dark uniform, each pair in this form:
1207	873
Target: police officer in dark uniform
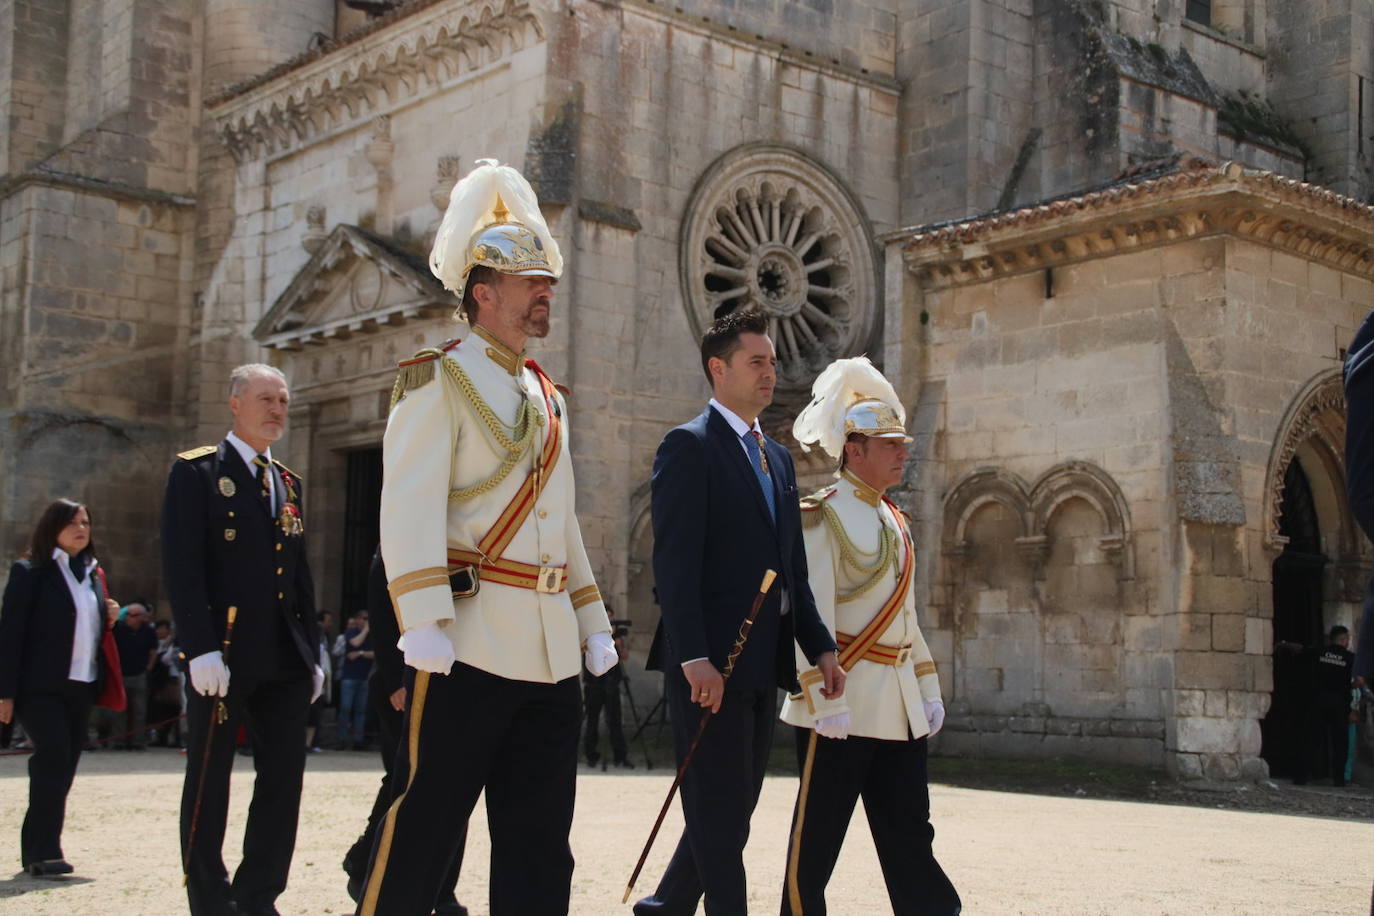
235	568
1333	679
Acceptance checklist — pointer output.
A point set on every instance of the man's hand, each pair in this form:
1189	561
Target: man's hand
829	663
427	648
6	711
398	699
836	726
317	683
111	611
209	674
935	715
600	655
708	687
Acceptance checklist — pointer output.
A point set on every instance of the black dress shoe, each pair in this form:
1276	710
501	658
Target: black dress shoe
50	868
450	908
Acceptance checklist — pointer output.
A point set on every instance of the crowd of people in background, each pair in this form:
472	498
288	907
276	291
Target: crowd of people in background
154	676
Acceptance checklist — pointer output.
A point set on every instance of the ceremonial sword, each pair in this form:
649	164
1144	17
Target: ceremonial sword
735	650
220	714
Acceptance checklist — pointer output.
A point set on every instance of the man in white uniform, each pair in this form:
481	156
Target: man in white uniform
871	742
487	572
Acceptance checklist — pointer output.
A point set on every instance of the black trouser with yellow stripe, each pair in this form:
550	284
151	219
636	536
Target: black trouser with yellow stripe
891	778
466	732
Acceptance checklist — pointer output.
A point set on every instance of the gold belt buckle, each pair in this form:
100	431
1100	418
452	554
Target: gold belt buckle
903	655
550	580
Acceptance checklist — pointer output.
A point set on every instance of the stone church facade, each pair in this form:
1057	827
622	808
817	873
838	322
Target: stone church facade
1108	252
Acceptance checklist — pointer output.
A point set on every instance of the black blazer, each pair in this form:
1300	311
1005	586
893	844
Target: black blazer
221	548
713	539
37	623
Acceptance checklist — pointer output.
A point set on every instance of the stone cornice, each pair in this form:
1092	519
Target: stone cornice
46	177
439	41
1295	216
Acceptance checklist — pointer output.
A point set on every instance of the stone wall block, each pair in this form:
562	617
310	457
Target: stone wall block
1228	632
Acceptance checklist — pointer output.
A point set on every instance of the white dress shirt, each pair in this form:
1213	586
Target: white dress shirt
247	453
86	634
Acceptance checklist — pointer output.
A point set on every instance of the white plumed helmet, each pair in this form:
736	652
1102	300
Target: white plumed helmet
850	396
493	220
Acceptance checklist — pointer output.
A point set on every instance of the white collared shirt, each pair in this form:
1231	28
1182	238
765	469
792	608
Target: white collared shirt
86	633
741	428
247	453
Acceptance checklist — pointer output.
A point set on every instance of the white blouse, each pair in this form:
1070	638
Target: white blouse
86	634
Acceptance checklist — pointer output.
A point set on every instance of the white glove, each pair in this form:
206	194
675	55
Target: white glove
209	674
836	726
600	655
935	715
427	648
318	687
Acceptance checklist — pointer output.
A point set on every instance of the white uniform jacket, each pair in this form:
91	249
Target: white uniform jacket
883	701
436	443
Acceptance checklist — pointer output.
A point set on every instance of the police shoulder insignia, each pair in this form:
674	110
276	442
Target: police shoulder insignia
201	452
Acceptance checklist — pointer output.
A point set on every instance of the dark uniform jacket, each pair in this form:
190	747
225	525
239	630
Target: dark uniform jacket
221	548
713	539
37	624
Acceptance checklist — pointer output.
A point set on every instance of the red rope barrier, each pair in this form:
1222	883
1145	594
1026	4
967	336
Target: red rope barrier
147	728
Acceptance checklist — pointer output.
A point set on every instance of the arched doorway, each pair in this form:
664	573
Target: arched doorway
1298	596
1320	558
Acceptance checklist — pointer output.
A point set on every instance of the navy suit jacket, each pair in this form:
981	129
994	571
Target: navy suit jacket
713	540
37	623
220	550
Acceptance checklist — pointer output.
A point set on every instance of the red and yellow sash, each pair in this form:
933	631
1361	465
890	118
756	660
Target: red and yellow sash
487	555
864	643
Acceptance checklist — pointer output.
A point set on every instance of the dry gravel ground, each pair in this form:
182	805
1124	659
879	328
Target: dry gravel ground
1006	852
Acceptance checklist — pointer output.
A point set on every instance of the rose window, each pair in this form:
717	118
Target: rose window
770	230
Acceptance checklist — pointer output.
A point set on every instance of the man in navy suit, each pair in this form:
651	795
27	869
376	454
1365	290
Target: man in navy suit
725	509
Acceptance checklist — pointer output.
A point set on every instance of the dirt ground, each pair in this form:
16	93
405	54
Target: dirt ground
1065	847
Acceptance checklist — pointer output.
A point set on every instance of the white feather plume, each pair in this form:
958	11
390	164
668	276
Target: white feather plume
472	206
832	394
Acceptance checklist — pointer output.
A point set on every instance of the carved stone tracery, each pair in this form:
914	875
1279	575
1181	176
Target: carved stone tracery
1317	414
769	229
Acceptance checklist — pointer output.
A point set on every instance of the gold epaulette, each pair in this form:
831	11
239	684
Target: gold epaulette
200	452
811	505
414	372
282	467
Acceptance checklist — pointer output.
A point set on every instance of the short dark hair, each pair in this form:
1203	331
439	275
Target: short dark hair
1338	631
57	516
844	452
721	339
479	274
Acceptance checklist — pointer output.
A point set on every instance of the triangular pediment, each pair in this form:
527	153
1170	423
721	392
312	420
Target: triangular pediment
355	283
